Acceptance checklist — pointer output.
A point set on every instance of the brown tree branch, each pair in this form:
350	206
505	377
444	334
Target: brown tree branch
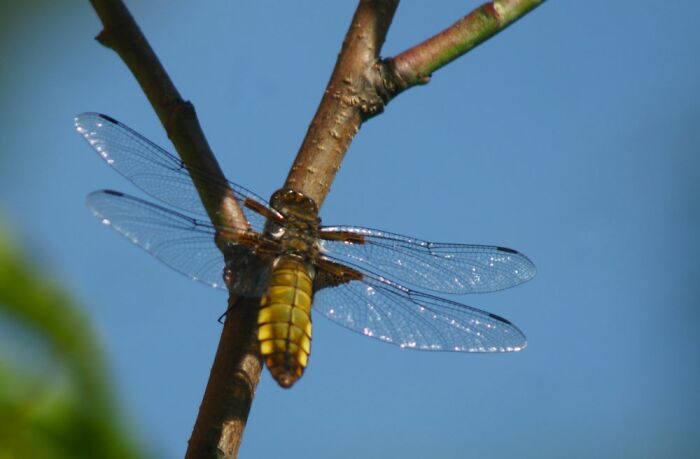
347	100
121	34
234	376
236	369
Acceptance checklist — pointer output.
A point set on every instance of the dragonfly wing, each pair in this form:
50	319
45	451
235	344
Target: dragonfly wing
383	310
154	170
440	267
183	243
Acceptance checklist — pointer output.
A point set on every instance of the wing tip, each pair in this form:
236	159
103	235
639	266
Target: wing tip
522	343
94	199
106	191
531	269
499	318
508	250
107	118
86	118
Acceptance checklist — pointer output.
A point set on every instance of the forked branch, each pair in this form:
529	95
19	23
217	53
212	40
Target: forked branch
362	83
415	65
360	86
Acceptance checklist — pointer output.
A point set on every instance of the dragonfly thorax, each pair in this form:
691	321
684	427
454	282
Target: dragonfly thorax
298	231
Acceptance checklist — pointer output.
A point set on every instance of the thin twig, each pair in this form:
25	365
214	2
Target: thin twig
415	65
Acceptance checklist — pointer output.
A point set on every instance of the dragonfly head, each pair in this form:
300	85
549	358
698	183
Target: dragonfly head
296	206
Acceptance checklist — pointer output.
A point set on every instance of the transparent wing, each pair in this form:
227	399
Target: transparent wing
440	267
185	244
154	170
383	310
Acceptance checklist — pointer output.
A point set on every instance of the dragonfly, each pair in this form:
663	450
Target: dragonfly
373	282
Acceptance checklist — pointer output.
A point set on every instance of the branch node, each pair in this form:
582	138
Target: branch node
103	38
119	36
496	10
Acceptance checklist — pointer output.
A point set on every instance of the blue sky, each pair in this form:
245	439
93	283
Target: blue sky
572	137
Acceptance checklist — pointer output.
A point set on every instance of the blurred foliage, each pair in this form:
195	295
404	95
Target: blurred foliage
54	398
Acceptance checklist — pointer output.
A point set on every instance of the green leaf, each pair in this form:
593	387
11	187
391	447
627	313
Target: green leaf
54	398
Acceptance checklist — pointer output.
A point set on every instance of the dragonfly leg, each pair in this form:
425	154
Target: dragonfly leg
221	317
343	236
265	211
331	274
230	308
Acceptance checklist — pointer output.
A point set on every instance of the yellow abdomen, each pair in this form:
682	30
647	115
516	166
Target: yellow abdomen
284	321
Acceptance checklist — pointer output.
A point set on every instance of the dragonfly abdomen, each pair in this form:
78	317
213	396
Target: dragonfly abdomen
284	321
